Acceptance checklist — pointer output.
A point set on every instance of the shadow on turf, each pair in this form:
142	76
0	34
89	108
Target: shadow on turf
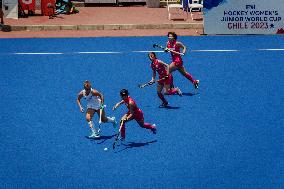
100	140
189	94
135	145
169	107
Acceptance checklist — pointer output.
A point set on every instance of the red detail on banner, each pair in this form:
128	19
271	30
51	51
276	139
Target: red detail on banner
280	31
47	7
28	5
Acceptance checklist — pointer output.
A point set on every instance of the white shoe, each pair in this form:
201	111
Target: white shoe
196	84
179	91
155	129
94	135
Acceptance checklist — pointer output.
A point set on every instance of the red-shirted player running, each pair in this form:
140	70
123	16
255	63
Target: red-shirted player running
165	79
133	113
174	46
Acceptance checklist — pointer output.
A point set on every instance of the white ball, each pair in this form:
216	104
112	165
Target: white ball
105	149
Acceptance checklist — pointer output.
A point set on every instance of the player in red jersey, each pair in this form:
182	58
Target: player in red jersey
133	113
165	79
174	46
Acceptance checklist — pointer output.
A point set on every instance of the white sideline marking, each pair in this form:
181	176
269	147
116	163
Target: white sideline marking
114	52
215	50
146	51
109	52
37	53
271	49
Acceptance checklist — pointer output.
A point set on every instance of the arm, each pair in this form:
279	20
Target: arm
100	95
166	66
182	46
153	76
117	105
80	95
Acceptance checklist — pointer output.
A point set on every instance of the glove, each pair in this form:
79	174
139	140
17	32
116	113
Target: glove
167	50
151	82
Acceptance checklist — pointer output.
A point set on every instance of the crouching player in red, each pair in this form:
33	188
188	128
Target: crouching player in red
165	78
133	113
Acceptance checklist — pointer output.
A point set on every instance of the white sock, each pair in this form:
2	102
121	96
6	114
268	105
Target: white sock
110	119
91	124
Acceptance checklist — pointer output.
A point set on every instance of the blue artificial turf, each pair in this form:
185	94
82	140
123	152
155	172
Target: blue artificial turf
228	135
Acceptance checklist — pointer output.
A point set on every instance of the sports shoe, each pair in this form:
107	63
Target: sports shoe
179	91
114	124
121	139
196	84
94	135
164	104
154	130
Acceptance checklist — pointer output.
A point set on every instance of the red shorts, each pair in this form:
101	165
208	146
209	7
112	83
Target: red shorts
178	63
138	115
167	81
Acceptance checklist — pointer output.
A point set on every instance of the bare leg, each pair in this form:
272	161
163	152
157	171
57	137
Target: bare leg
89	115
160	95
172	67
186	74
122	126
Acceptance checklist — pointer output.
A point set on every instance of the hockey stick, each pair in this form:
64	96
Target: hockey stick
146	84
115	140
166	49
117	135
151	83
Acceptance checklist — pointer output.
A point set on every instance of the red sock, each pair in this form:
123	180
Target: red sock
161	96
122	131
172	91
148	126
189	77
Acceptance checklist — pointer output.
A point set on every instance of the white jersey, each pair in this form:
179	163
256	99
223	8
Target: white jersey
93	102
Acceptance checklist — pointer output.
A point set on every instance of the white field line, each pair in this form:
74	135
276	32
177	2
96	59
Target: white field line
99	52
41	53
271	49
144	51
216	50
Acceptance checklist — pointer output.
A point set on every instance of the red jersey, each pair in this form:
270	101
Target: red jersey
174	47
137	114
158	67
127	101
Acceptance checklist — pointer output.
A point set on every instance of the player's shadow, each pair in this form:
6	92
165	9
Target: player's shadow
169	107
135	145
189	94
102	139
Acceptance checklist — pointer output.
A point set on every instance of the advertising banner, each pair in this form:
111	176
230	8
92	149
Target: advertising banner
243	17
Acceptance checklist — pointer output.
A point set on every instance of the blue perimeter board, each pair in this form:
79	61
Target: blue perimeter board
228	135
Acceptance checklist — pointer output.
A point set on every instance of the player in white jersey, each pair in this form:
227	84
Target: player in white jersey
95	103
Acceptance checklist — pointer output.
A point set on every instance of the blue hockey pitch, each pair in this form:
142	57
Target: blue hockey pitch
227	135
